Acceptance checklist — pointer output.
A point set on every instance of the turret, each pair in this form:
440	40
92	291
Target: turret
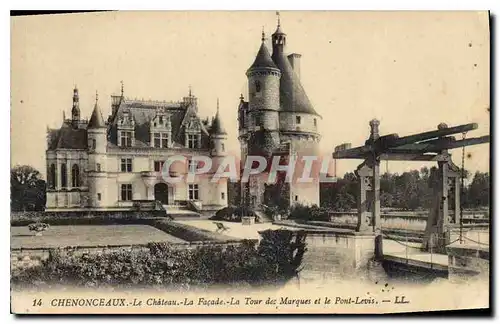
279	40
75	110
191	100
97	143
264	102
218	135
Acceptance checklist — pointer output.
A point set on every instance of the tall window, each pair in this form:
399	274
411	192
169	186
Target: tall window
193	192
223	195
257	86
53	176
64	176
164	140
126	192
126	139
126	165
93	144
99	196
193	166
315	122
222	147
158	166
192	140
257	120
161	140
157	139
98	167
75	176
297	119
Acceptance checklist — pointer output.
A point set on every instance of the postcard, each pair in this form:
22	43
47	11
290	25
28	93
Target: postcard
250	162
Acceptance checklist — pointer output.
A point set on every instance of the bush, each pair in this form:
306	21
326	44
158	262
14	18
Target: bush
307	213
228	214
276	260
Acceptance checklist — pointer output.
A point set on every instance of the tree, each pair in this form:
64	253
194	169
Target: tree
478	193
27	189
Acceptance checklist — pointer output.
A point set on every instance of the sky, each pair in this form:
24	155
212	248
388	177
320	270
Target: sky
410	70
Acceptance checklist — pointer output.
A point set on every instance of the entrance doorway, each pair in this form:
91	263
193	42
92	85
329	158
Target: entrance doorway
161	193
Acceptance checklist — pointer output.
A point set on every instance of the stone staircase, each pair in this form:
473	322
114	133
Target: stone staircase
181	212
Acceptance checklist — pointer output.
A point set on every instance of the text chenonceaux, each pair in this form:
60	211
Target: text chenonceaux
208	301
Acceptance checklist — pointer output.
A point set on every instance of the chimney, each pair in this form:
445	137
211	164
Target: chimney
294	60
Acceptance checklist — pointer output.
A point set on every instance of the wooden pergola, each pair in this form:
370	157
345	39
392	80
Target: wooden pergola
427	146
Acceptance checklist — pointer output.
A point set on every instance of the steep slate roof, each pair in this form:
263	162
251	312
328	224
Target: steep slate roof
217	127
263	59
68	137
143	111
293	97
96	120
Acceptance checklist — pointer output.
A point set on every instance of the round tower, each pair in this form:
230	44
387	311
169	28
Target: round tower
263	104
97	143
218	151
218	136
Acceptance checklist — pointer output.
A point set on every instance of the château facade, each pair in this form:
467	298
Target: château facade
115	164
277	120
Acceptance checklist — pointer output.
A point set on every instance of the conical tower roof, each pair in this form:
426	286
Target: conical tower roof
96	120
217	127
263	58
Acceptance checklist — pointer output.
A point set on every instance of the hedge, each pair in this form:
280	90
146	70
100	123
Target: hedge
119	218
274	261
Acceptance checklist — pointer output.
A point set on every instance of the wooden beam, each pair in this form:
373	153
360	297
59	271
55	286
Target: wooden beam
432	134
438	146
354	153
410	157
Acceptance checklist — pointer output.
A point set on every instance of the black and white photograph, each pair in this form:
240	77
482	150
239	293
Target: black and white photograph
250	162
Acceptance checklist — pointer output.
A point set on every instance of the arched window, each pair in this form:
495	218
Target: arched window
75	176
52	176
64	176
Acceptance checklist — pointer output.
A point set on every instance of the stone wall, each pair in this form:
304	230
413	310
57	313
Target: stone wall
336	255
411	222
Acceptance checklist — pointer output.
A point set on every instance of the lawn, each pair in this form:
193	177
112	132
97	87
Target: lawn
88	235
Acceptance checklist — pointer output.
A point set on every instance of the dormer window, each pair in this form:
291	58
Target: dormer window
160	130
161	140
193	141
126	130
126	139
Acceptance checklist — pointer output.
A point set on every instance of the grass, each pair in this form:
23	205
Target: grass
88	235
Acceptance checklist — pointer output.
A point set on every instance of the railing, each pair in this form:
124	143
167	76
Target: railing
147	205
193	205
